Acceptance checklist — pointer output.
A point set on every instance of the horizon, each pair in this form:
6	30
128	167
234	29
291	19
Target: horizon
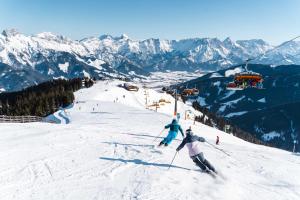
269	21
126	35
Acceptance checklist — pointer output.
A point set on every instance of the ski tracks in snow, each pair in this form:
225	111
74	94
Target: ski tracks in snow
126	158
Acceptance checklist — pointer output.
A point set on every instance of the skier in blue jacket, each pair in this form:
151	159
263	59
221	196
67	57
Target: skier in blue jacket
174	128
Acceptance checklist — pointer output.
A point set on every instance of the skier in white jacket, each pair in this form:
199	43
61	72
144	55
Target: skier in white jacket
195	153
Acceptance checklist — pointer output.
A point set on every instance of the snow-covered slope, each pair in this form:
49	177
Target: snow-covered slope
107	151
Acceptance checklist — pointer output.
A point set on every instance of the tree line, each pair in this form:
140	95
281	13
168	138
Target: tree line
43	99
211	119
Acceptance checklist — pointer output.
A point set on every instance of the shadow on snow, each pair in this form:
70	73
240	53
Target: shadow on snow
150	136
125	144
141	162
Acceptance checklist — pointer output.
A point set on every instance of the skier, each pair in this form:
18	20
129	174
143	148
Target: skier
217	140
194	152
174	128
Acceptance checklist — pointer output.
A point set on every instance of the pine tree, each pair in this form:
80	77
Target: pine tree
41	100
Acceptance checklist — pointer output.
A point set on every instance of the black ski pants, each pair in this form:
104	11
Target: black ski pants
202	162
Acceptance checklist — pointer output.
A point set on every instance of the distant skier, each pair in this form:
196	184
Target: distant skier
174	128
195	153
217	140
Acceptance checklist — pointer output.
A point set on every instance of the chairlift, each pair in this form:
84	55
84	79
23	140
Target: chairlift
249	79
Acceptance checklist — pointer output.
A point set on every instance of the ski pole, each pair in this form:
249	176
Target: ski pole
158	135
172	160
218	149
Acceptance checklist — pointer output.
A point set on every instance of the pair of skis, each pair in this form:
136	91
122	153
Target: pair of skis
209	172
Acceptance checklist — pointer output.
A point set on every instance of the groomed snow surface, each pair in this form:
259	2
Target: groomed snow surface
107	151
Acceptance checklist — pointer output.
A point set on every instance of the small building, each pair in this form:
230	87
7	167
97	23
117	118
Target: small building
130	87
190	92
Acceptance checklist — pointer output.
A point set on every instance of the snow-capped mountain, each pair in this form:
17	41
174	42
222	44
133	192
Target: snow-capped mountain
46	55
188	54
287	54
27	60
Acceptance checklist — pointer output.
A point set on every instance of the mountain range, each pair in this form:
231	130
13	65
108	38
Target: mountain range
26	60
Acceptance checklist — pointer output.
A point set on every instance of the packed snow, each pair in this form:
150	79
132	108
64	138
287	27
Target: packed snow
107	151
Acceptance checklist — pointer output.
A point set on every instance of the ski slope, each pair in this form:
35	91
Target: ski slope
107	151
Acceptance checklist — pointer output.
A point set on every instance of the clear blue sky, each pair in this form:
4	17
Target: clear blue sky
272	20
